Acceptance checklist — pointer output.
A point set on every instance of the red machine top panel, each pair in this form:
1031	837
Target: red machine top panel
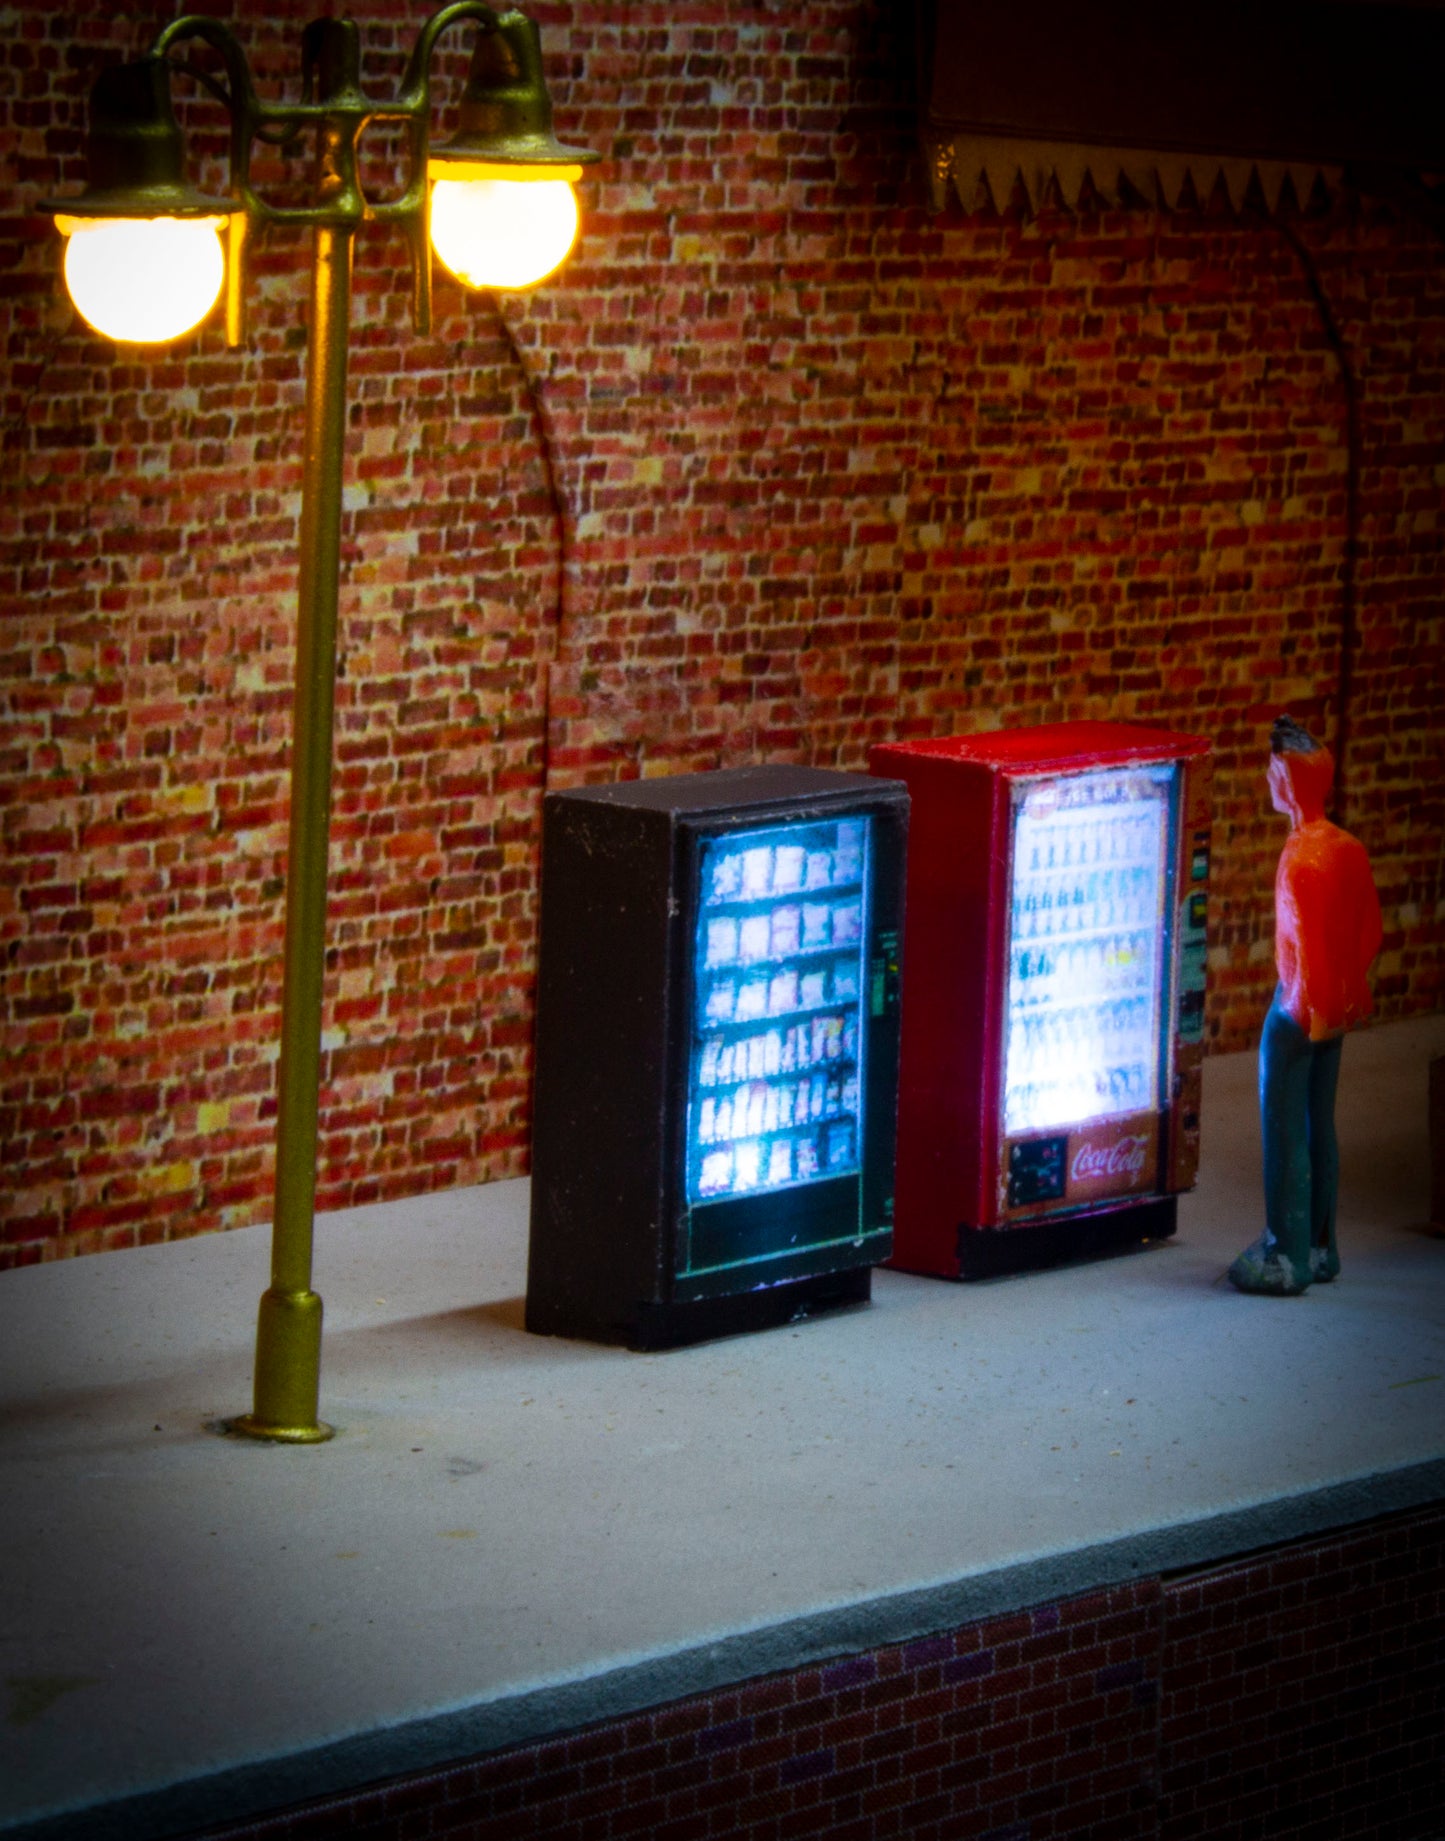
1059	745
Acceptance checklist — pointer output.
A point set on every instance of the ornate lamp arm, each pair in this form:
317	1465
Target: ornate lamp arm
415	83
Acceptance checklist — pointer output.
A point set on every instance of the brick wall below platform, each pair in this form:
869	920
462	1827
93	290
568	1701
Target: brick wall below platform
1293	1694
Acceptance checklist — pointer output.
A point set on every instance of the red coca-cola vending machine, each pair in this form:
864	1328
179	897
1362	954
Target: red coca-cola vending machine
1053	1010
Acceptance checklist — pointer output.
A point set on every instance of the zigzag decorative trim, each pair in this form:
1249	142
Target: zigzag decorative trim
981	172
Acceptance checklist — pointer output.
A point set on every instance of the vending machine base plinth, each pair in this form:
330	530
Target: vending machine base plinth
674	1325
991	1252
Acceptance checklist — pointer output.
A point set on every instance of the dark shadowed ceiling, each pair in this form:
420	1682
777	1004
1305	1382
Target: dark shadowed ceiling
1147	96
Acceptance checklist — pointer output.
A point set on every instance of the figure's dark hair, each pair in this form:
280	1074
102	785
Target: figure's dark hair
1287	737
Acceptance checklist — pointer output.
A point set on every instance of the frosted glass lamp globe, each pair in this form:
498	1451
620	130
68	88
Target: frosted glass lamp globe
499	226
143	280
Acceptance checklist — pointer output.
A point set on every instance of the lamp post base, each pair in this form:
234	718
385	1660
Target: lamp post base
288	1372
249	1426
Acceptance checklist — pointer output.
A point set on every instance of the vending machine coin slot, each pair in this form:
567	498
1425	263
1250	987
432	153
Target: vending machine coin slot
1036	1171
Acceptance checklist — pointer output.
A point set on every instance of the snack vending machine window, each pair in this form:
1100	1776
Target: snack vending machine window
1054	1021
717	1051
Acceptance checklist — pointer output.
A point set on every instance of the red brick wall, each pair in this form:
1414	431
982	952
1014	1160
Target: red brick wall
1294	1694
818	469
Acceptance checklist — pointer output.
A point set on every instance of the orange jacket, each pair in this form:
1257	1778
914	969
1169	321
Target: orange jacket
1327	928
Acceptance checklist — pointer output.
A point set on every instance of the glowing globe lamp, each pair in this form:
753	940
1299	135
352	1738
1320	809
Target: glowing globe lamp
500	225
143	280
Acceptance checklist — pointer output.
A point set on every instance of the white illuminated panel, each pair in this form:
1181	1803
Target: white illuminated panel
1086	951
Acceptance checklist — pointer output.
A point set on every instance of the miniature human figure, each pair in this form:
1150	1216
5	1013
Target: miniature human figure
1327	932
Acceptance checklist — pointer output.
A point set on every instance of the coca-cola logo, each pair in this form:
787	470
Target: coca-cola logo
1124	1157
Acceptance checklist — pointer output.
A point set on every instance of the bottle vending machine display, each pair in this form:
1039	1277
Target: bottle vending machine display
717	1051
1053	1024
774	1089
1086	948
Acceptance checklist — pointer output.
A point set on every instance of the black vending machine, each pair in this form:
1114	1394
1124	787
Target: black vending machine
716	1052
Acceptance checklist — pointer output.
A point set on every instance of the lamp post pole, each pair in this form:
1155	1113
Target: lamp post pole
288	1334
287	1380
504	140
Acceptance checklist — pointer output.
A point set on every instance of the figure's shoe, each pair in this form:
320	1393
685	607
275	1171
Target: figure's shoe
1324	1265
1264	1268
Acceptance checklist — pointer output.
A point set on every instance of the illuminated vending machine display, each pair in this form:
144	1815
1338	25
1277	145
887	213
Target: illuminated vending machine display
717	1051
1054	1021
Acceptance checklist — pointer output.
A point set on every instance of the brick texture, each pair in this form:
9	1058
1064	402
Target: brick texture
780	465
1296	1694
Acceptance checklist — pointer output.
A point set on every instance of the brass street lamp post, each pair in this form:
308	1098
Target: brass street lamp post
145	262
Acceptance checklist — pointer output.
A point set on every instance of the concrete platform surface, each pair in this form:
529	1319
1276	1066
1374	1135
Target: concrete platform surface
513	1536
